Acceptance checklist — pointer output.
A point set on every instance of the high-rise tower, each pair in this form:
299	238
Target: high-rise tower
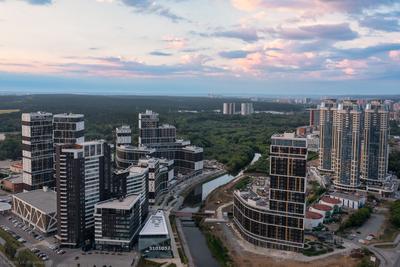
272	215
346	145
37	150
325	137
83	173
374	150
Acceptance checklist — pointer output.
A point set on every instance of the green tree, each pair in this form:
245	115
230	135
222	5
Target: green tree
9	250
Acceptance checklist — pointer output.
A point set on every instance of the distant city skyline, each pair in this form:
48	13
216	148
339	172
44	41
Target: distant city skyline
187	47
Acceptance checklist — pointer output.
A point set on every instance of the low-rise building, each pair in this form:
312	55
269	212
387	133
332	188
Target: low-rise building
352	201
330	201
13	183
155	239
37	208
313	219
16	167
321	209
117	223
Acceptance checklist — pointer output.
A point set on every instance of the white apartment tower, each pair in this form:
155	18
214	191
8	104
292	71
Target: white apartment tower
246	109
229	109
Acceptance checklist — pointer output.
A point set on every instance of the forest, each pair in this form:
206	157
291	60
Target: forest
232	140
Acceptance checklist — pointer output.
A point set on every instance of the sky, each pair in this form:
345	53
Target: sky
196	47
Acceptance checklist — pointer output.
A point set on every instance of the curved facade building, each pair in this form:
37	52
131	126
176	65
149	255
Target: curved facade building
127	155
275	218
262	227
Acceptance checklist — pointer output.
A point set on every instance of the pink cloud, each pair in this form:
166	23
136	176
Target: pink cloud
394	55
309	6
348	67
174	42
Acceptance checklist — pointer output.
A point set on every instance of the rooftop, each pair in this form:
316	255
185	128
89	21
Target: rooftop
354	197
119	203
331	200
15	179
44	200
137	170
313	215
155	225
194	149
68	115
322	207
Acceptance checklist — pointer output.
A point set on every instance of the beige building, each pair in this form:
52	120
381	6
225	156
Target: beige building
346	146
375	150
325	135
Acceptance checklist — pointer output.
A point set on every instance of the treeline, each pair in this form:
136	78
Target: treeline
395	213
20	256
357	219
394	162
232	140
11	147
261	165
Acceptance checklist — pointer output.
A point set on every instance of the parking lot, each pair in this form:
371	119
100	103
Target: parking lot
44	247
47	248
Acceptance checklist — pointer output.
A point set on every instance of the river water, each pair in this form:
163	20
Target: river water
195	238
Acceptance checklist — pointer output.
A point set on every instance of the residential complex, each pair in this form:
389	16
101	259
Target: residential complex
354	145
229	109
246	109
271	213
37	150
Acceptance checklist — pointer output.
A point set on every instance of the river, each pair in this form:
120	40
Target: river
195	238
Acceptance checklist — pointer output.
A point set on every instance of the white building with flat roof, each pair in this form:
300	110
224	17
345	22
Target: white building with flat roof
154	238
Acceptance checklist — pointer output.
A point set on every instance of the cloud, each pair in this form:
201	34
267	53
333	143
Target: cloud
246	34
152	7
367	51
310	6
234	54
159	53
174	42
189	65
339	32
38	2
381	22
